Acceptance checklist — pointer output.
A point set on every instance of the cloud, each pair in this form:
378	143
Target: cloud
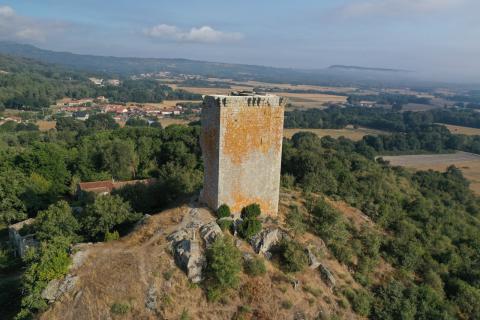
17	27
203	34
364	8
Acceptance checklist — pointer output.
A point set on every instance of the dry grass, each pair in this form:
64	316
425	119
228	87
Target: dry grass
165	122
350	133
469	163
462	130
302	100
46	125
124	271
165	104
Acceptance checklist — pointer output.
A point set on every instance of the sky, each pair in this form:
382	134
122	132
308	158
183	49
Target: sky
435	38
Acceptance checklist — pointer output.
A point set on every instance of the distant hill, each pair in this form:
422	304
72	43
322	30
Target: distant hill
358	68
124	66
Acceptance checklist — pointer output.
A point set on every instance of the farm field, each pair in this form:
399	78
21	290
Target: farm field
299	100
469	163
165	104
462	130
165	122
44	125
350	133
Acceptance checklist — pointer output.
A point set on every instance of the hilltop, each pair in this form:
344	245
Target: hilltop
139	272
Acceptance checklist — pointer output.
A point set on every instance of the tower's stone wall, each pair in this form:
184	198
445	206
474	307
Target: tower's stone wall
242	148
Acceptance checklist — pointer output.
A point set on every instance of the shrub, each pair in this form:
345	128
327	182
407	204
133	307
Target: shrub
120	308
360	301
255	267
185	315
223	211
249	227
295	221
223	267
110	236
251	211
225	224
293	256
287	304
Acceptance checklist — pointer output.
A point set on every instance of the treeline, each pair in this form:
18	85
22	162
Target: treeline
431	221
143	91
411	131
378	118
30	85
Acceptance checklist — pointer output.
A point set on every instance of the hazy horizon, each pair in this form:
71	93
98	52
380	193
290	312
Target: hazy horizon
438	39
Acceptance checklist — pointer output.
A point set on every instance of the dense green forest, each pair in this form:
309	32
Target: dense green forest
31	85
40	171
410	131
430	222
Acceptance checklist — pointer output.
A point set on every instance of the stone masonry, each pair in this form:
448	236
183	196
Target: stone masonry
241	142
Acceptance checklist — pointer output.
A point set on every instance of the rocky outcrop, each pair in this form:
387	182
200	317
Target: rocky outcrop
209	232
313	262
57	287
266	239
189	257
327	276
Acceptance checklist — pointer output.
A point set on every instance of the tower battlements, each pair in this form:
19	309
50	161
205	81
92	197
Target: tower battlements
244	100
241	143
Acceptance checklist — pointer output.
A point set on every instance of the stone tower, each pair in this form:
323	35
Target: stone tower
241	141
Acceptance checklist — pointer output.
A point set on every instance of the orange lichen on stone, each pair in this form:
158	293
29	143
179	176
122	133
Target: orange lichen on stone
251	129
241	201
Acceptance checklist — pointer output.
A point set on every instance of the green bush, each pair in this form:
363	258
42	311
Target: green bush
223	211
360	300
110	236
225	224
255	267
293	256
251	211
120	308
224	263
295	222
249	227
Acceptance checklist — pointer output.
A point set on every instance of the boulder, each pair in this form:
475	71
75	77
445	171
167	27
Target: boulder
179	235
209	232
266	239
327	276
189	257
57	287
313	262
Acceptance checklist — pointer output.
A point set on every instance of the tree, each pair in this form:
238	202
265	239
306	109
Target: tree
106	214
12	208
56	221
224	263
70	124
101	121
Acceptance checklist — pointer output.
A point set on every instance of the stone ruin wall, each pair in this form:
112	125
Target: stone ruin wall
242	149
